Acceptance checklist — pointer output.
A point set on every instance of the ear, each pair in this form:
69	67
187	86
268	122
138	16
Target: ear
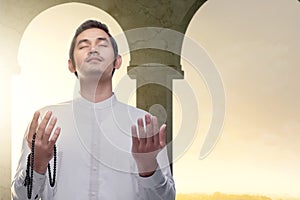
118	62
71	67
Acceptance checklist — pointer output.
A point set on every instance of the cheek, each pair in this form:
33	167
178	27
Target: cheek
109	55
79	58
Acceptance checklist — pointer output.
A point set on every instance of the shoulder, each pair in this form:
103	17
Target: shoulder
125	114
59	107
130	110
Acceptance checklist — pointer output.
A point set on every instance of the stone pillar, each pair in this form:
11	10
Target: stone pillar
154	93
155	68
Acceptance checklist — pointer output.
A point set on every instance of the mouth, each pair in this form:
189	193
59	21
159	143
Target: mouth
94	58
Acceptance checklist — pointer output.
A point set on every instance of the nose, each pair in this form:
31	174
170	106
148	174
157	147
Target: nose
94	51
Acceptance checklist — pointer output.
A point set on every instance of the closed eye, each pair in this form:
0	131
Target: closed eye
103	45
82	47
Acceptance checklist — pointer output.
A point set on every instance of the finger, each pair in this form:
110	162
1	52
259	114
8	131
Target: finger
43	124
49	130
162	136
135	139
54	137
149	129
142	134
33	126
155	131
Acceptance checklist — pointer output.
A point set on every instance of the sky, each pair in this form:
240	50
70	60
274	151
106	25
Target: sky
254	46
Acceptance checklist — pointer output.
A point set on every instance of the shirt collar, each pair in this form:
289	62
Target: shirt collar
109	102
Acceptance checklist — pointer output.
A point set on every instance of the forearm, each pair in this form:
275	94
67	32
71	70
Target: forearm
19	190
158	186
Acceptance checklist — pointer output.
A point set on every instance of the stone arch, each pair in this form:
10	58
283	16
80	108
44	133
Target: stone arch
190	13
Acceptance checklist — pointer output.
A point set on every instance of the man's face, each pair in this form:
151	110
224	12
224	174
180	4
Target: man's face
93	54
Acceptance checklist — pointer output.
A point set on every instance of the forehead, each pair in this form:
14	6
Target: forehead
92	34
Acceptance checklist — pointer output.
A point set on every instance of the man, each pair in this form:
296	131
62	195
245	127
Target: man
100	154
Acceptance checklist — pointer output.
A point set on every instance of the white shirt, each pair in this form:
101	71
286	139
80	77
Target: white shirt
94	157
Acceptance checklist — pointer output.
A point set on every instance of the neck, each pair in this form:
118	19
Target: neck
97	91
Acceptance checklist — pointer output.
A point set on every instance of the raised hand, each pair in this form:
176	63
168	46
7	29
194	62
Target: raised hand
149	143
44	145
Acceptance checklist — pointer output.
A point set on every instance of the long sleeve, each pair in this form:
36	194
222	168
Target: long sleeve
107	172
159	186
19	191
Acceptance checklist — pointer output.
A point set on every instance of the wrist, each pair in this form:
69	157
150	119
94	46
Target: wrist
147	169
41	169
146	174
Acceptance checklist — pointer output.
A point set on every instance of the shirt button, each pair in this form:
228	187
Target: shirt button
93	194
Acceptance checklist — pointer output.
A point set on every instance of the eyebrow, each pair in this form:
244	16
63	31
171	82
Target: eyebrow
86	40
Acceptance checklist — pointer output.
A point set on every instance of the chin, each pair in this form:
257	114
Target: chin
94	74
93	71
